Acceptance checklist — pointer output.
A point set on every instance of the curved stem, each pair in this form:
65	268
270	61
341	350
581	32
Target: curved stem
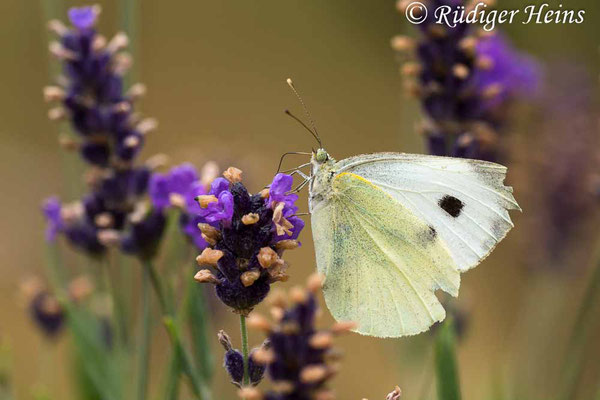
246	380
144	340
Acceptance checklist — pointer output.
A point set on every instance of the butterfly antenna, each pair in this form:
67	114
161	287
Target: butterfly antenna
289	114
313	131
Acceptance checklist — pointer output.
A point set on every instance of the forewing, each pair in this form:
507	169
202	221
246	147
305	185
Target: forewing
381	263
464	200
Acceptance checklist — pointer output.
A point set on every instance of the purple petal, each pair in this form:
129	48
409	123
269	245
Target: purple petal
221	210
282	184
83	17
298	224
193	232
196	189
158	190
218	186
181	178
52	211
517	73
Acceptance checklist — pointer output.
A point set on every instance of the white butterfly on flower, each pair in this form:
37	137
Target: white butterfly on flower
392	228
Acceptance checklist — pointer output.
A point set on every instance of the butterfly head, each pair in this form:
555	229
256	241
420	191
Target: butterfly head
320	156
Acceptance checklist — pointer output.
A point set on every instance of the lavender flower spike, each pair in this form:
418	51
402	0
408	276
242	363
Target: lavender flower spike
464	80
109	137
298	358
243	235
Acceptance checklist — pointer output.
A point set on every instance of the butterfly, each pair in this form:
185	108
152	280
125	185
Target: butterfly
390	229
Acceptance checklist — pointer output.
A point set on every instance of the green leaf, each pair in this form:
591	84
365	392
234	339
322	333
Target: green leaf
448	386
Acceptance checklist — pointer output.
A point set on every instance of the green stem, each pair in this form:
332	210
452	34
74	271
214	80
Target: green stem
244	330
448	386
144	338
129	11
118	306
171	389
198	386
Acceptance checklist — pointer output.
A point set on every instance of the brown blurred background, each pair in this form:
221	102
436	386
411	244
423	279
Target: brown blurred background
216	74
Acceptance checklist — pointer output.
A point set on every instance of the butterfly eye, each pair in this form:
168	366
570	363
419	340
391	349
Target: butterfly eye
321	156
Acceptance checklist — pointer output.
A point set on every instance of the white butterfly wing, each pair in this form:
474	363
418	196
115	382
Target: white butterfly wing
382	264
464	200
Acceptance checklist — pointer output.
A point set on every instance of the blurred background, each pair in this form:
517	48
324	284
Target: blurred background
216	71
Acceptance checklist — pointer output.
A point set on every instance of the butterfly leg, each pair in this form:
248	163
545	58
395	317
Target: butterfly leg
299	167
290	153
307	180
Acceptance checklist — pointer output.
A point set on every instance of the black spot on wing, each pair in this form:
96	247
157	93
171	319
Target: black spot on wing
432	233
451	205
428	235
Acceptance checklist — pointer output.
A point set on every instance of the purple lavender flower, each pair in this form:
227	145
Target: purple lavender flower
52	211
47	313
91	92
247	235
221	206
513	73
298	355
83	17
562	183
279	195
233	361
113	212
143	234
279	189
464	82
180	187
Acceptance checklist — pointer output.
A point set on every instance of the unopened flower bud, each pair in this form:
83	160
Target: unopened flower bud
250	219
205	276
249	277
209	257
267	257
205	200
313	373
233	174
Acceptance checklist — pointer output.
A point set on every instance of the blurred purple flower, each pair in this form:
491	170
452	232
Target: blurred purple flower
159	191
83	17
52	211
182	180
91	92
562	168
514	73
300	357
464	82
109	137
